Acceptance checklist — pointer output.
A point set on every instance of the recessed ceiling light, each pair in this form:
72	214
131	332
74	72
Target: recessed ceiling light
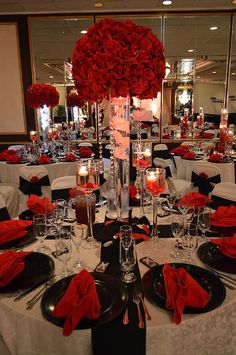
167	2
234	2
51	76
83	31
233	73
213	28
190	50
198	77
98	4
214	72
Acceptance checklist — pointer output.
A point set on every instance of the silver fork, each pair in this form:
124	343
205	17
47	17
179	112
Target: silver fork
139	294
36	298
136	300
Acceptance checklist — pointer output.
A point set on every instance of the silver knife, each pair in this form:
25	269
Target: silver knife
26	292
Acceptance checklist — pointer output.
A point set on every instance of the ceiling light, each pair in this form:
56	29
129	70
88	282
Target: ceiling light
198	77
233	73
213	28
83	31
214	72
98	4
190	50
234	2
167	2
51	76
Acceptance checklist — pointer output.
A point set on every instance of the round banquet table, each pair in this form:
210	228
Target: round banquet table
184	169
10	172
27	332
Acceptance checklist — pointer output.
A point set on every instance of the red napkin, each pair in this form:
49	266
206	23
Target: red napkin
13	229
85	152
181	150
70	157
14	159
43	159
73	192
227	245
194	199
133	193
166	136
11	264
10	151
189	156
182	290
4	156
80	300
224	216
207	135
215	157
39	205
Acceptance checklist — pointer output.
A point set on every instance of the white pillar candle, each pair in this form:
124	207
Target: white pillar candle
151	177
83	171
147	153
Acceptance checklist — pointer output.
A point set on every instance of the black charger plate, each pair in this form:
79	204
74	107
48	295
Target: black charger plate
209	253
38	269
112	294
154	287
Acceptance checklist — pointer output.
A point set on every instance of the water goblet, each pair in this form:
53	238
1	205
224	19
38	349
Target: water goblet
40	231
127	258
64	249
189	242
177	227
77	232
204	217
171	199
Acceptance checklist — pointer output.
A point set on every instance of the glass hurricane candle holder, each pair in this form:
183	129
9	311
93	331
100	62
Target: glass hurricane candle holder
33	136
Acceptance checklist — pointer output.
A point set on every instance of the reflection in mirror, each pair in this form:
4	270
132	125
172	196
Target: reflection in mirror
232	80
196	52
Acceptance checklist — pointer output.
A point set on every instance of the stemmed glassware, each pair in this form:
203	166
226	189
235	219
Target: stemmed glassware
40	231
189	242
127	254
155	185
52	135
177	227
87	180
77	237
171	199
64	249
204	217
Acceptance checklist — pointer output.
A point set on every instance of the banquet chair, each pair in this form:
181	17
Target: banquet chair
224	194
4	215
161	151
9	193
204	177
179	185
15	147
32	180
60	187
3	348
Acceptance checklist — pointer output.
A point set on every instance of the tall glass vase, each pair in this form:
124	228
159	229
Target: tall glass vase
44	118
120	152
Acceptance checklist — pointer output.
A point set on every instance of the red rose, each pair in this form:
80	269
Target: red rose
34	179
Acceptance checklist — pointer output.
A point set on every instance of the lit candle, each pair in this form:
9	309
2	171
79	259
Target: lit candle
151	176
71	123
147	153
83	171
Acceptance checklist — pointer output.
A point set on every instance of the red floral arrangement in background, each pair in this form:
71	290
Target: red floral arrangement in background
73	100
38	95
118	58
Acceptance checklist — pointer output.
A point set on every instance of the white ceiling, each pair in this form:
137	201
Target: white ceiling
62	6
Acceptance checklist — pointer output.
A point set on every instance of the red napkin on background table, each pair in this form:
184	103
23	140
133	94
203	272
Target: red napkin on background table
43	159
80	300
189	156
181	150
216	157
11	264
39	205
194	199
70	157
207	135
227	245
224	216
85	152
10	151
13	229
14	159
182	290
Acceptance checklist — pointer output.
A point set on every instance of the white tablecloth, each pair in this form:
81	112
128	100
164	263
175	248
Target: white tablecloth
27	333
10	172
185	167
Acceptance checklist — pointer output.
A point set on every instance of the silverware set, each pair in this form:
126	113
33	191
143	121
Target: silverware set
228	281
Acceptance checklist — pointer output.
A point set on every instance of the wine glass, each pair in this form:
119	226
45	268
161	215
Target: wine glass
189	242
127	258
171	199
77	237
64	249
204	217
177	227
40	231
155	185
87	181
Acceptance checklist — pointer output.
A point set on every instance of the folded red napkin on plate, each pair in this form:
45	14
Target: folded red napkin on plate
194	199
215	157
11	264
80	300
4	156
14	159
207	135
70	157
227	245
39	205
43	159
224	216
10	151
181	150
189	156
13	229
182	290
85	152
